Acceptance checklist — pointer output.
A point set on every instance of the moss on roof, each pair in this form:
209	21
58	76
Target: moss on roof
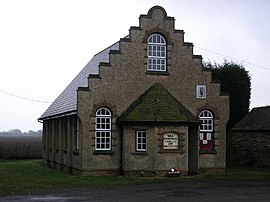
157	105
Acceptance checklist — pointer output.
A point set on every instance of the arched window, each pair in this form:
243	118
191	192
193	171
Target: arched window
206	130
103	129
156	53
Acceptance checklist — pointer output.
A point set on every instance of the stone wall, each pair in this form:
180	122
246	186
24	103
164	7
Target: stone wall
156	160
125	78
120	82
59	146
249	148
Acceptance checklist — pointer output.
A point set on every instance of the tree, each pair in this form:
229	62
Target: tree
235	81
15	132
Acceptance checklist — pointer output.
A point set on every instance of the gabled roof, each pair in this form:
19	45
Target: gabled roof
66	102
157	105
258	119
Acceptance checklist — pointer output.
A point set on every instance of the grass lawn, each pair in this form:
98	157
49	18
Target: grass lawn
29	176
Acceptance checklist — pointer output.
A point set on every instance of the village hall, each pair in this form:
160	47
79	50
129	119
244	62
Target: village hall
140	107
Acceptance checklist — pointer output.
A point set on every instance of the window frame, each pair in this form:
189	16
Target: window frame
206	130
156	53
77	137
103	139
141	146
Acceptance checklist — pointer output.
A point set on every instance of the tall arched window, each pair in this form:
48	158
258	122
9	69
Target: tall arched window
103	129
156	53
206	130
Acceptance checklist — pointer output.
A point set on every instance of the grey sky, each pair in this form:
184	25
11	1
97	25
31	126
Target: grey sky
45	43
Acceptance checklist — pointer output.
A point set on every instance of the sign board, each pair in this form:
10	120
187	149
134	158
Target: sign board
170	141
201	91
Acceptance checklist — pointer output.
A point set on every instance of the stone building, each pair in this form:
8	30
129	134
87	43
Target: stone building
249	139
140	107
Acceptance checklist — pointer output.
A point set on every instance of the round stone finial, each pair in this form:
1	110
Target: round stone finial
157	10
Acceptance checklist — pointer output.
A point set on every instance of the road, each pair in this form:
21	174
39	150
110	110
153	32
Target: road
202	190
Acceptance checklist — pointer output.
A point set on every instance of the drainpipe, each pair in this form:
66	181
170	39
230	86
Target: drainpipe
121	150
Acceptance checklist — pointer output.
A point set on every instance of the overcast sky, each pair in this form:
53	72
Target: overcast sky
45	43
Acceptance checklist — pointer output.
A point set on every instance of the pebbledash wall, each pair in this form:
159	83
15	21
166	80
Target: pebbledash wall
140	107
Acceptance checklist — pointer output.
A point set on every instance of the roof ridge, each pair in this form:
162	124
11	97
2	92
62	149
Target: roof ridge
106	48
262	107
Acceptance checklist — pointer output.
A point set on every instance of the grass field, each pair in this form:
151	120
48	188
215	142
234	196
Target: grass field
29	176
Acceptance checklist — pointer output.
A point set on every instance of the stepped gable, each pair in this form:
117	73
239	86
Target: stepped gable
66	102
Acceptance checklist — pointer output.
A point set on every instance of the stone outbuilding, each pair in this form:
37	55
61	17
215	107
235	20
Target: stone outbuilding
249	140
142	106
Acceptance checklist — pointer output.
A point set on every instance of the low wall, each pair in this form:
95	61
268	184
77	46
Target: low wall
20	146
248	148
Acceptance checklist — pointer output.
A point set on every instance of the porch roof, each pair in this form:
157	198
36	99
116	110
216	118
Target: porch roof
157	105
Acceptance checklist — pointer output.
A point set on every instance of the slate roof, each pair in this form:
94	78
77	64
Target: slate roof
258	119
66	102
157	105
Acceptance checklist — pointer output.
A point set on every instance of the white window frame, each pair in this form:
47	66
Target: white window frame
103	129
156	53
141	141
206	130
207	119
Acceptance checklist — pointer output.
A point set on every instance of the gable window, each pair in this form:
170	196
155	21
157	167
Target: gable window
206	130
103	129
141	141
156	53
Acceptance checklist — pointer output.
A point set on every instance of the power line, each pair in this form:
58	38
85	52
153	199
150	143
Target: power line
24	98
214	52
243	61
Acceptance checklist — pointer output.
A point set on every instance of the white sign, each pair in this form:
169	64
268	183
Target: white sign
201	91
170	141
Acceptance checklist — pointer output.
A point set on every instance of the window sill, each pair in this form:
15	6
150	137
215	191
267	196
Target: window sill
163	151
208	152
76	152
161	73
97	152
140	153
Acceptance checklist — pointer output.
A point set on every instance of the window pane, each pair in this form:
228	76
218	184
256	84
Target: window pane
141	140
103	127
158	39
206	130
157	52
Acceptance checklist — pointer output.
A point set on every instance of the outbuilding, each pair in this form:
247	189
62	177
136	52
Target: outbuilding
249	140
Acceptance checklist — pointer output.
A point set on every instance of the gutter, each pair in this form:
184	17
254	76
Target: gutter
57	116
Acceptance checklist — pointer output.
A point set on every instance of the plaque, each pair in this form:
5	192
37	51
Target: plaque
170	141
